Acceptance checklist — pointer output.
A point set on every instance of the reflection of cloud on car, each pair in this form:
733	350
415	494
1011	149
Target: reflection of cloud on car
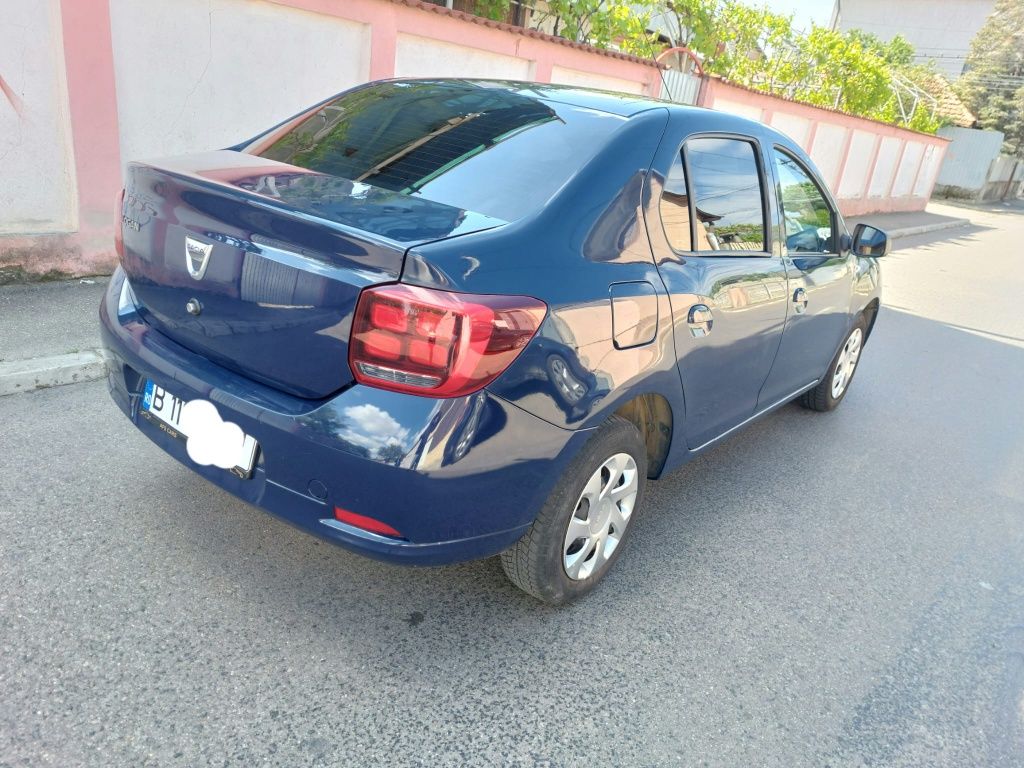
372	428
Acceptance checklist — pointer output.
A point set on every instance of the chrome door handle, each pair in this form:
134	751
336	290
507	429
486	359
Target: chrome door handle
800	301
700	319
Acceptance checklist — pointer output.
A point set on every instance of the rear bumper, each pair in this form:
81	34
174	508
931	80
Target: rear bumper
460	478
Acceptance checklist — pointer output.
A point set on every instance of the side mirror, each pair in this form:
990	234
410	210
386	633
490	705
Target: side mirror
869	241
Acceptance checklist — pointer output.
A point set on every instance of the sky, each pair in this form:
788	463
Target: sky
804	11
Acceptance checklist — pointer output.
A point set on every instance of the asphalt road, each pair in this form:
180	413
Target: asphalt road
824	590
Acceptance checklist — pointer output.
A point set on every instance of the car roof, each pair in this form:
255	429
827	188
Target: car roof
613	102
621	104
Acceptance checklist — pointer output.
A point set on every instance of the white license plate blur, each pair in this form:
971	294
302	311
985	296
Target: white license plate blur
164	409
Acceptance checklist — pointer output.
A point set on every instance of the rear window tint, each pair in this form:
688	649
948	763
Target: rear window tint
484	149
727	198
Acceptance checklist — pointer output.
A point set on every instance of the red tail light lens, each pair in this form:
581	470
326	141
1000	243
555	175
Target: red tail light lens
438	343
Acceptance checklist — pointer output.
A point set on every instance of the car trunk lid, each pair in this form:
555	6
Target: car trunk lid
257	264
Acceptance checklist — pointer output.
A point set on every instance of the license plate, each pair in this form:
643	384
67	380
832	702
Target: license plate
208	445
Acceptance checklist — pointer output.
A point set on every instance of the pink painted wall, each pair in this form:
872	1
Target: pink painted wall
861	180
92	102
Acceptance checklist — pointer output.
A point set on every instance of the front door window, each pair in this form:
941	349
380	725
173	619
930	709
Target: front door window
807	218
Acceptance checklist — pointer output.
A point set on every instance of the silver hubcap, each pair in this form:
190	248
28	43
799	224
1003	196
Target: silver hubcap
600	518
847	362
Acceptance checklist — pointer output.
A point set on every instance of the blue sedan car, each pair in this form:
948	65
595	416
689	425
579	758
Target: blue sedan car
437	320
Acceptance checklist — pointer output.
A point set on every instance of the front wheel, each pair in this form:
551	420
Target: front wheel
831	390
579	533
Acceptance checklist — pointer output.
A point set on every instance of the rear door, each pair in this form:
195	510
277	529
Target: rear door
820	279
728	291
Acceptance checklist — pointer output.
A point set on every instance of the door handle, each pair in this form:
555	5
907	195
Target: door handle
700	319
800	301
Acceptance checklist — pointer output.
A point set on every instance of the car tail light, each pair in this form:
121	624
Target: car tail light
438	343
365	522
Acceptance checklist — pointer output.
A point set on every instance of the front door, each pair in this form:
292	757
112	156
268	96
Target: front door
820	281
728	292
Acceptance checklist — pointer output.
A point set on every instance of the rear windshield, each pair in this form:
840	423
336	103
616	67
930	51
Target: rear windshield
471	145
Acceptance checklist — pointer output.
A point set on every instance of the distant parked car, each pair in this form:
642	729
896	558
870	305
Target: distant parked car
436	320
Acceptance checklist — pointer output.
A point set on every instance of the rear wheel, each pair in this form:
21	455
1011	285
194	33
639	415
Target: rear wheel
579	533
831	390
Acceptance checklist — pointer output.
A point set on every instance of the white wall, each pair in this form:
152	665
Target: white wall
827	152
423	57
858	164
194	75
929	169
912	154
1003	169
797	128
37	167
885	166
738	108
567	76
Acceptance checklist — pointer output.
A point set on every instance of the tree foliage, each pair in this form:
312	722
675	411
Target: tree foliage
860	74
993	86
692	21
602	23
492	9
855	72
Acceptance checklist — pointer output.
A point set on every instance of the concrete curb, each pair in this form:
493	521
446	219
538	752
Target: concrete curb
53	371
925	228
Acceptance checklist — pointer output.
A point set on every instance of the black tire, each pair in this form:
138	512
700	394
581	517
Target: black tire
535	562
820	398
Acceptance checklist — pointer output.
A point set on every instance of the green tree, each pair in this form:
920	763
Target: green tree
573	19
492	9
854	72
993	86
628	25
897	52
603	23
691	22
842	73
744	43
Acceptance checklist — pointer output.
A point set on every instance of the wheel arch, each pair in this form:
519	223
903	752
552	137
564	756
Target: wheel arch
652	415
870	313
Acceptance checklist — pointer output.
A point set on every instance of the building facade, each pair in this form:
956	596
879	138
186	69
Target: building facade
940	30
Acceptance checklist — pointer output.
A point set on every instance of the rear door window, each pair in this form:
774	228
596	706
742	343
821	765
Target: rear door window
675	206
486	149
728	200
